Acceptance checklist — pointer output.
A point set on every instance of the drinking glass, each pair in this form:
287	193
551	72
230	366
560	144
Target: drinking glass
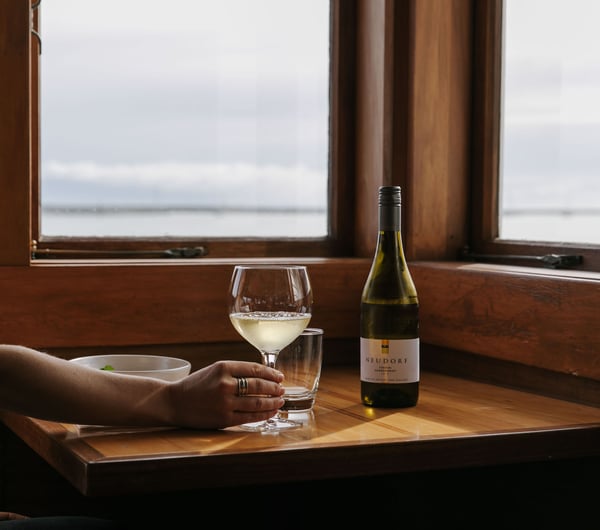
269	306
301	363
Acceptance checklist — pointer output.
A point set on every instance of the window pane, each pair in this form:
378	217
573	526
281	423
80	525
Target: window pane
550	170
184	118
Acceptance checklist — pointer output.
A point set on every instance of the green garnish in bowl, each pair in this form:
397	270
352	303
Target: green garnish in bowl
107	367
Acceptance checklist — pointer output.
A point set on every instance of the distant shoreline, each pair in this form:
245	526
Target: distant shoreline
136	209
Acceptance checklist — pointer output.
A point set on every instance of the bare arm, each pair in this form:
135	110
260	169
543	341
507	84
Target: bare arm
46	387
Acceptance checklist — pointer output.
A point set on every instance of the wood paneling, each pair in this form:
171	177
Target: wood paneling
98	304
510	321
15	115
413	121
439	134
490	311
370	120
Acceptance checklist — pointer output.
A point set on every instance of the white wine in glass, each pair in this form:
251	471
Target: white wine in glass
269	306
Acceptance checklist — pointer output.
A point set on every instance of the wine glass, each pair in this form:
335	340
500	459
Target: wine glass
270	305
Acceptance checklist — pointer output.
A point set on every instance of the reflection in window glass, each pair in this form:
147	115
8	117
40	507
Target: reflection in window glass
550	170
184	118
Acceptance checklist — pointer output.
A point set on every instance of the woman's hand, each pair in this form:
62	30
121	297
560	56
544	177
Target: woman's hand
208	398
47	387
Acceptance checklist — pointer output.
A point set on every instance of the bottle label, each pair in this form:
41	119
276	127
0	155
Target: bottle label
389	361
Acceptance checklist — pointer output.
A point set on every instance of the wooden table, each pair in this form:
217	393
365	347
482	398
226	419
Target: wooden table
457	423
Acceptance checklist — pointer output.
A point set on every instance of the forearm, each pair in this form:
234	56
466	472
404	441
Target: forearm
40	385
46	387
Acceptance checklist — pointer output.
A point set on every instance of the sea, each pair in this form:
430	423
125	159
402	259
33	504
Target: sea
532	225
200	222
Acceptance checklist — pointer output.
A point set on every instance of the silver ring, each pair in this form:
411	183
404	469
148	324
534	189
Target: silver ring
242	386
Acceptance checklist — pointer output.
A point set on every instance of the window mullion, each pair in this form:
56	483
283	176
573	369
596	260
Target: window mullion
15	160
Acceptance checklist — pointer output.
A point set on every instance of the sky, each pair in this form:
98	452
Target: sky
186	101
552	116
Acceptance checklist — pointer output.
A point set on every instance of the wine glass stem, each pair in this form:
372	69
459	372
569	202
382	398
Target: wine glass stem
269	358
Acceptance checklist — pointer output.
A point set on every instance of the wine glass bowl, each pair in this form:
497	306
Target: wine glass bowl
269	306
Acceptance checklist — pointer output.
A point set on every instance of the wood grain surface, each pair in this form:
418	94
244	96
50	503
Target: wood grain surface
457	423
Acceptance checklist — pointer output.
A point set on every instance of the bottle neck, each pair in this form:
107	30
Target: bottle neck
389	218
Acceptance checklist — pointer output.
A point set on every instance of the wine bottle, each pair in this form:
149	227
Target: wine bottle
389	317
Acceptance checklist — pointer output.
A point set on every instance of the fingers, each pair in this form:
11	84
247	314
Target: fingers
254	379
257	370
258	404
227	393
252	386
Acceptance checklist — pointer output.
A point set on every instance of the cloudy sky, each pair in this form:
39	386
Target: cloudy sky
224	103
552	124
185	101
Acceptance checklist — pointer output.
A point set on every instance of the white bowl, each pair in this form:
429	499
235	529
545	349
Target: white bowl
157	366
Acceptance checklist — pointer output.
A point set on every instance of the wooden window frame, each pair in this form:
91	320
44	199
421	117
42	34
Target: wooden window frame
336	243
407	119
484	237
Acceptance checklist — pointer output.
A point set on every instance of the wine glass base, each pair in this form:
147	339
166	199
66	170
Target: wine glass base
272	426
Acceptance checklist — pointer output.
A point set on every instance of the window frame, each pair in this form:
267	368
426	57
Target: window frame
414	130
488	46
336	243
